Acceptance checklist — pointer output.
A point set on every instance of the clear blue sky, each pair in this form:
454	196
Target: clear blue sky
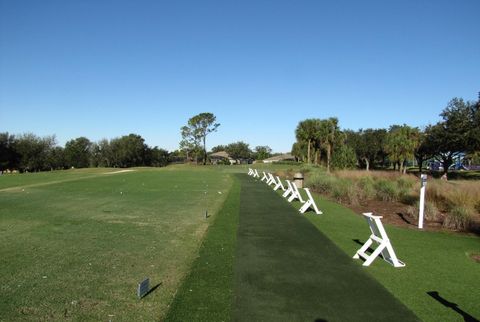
102	69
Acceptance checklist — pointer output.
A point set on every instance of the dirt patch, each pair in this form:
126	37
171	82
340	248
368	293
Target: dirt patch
395	213
475	257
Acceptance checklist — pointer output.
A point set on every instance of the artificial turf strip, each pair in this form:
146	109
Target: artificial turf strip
287	270
206	293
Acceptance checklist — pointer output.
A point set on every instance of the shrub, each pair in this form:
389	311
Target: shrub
366	188
387	190
344	158
406	182
430	212
321	182
345	191
459	218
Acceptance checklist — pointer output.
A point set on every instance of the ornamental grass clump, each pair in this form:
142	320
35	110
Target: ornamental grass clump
458	218
366	188
346	191
387	190
430	212
321	182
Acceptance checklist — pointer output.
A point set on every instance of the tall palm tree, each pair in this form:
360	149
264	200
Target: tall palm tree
306	131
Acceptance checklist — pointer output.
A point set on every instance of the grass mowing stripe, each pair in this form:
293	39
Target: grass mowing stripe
287	270
436	261
206	293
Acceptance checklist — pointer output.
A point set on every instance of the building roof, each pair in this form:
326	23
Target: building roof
281	157
221	154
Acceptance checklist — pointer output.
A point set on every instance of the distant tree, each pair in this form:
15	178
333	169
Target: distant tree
402	140
55	159
344	158
367	144
9	157
77	152
190	143
196	131
424	150
156	157
33	151
262	152
239	150
128	151
218	148
330	136
456	134
307	132
299	151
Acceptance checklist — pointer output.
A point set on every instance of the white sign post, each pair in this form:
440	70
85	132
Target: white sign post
379	235
421	207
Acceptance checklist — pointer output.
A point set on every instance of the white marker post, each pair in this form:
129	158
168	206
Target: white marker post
421	207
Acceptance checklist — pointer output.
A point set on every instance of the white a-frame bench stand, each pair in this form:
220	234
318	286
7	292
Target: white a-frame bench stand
279	184
292	190
265	177
271	179
379	236
255	173
309	204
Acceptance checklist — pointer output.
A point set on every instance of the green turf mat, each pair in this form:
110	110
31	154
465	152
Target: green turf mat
287	270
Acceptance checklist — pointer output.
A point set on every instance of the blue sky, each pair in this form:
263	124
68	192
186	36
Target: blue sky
103	69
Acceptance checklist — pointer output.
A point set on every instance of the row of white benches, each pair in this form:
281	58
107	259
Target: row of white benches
378	233
291	192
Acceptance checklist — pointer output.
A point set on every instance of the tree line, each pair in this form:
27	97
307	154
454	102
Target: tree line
457	134
29	153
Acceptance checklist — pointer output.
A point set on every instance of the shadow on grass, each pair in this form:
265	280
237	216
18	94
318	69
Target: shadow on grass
466	317
404	218
369	249
151	290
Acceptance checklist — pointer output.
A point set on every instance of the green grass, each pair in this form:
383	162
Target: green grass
206	294
436	261
74	244
10	181
287	270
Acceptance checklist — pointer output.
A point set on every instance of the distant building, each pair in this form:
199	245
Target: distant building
281	157
222	157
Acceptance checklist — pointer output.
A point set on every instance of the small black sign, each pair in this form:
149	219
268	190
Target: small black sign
143	288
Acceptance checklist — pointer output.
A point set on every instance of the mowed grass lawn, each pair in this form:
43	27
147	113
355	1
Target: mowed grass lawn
74	244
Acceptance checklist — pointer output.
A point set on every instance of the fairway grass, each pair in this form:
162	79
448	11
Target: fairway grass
435	262
74	245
